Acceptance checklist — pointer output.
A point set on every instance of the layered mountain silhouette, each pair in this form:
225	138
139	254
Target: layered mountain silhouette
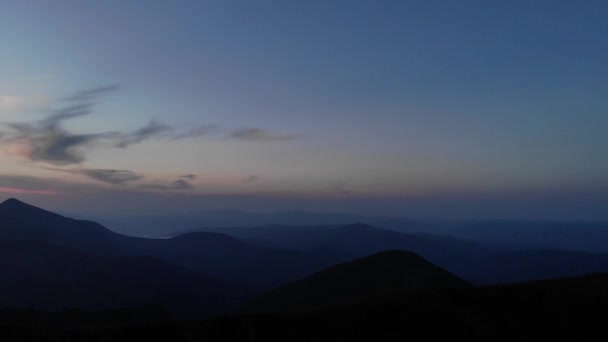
379	274
51	261
171	225
348	242
212	254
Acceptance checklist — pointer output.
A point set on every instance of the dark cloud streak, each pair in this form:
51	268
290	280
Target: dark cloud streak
153	129
92	94
259	134
116	177
179	184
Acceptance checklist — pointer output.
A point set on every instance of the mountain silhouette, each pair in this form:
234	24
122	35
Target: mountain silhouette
37	275
239	261
170	225
379	274
213	254
347	242
20	221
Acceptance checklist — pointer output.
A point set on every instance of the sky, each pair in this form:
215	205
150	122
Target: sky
438	109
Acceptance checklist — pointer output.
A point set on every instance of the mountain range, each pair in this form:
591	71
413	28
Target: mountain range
49	261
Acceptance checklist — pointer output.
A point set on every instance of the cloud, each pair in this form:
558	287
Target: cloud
153	129
93	94
48	141
116	177
251	179
179	184
189	176
111	176
259	134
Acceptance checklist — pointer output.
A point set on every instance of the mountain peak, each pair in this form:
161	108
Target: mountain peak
14	206
12	201
393	271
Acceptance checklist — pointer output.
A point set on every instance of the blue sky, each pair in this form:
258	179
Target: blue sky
388	107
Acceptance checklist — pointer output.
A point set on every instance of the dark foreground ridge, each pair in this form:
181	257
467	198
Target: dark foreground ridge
563	308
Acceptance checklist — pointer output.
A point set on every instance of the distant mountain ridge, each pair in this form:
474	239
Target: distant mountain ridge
171	225
209	253
591	237
359	240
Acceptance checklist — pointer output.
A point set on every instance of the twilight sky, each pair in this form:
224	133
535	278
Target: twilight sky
447	109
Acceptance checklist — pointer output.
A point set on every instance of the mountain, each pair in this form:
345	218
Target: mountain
171	225
239	261
528	265
213	254
379	274
589	237
23	222
480	262
352	241
38	275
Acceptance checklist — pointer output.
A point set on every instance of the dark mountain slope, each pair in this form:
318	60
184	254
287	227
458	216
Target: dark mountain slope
37	275
23	222
213	254
382	273
557	309
229	258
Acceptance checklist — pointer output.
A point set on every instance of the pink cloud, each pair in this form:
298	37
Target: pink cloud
29	191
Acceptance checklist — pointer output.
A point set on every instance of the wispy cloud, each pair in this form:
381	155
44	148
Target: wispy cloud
93	94
48	141
116	177
259	134
153	129
251	179
179	184
110	176
189	176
